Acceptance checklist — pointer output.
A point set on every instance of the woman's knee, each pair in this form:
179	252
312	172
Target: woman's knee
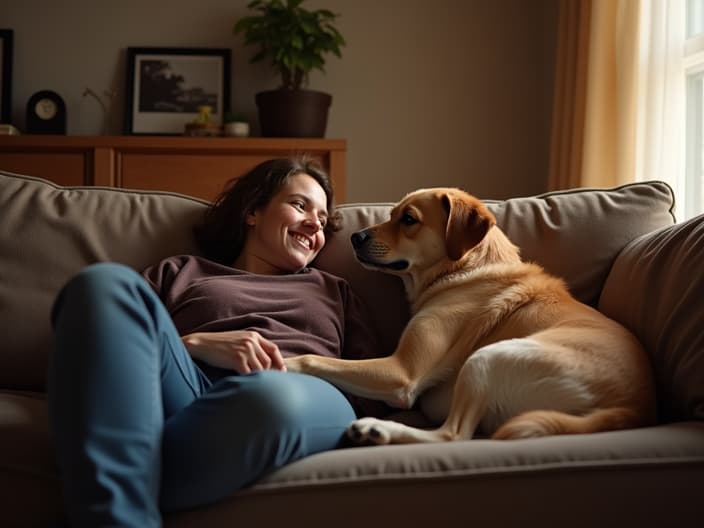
105	308
94	284
286	400
99	277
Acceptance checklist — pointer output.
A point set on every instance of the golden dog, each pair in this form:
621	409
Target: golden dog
494	343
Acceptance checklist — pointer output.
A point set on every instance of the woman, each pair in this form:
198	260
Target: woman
169	390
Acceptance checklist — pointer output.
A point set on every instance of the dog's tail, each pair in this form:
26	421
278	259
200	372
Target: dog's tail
543	423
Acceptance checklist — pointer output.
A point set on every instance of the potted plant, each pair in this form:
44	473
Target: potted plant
295	41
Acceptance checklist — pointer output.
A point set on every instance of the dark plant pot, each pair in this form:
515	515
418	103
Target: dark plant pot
293	113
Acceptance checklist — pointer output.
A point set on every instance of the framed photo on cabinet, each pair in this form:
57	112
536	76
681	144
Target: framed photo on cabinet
6	36
167	86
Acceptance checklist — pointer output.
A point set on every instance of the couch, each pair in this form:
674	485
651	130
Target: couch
619	250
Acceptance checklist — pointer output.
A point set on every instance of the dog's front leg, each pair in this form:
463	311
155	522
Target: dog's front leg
398	379
378	379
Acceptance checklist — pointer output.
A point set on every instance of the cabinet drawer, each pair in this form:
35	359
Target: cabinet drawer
203	176
62	168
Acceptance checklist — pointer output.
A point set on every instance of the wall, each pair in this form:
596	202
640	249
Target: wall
441	92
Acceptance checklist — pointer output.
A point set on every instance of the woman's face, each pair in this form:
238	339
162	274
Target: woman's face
286	234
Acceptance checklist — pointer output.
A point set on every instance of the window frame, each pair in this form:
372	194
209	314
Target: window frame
693	70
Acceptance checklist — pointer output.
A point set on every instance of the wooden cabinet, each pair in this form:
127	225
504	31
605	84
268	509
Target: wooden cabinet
195	166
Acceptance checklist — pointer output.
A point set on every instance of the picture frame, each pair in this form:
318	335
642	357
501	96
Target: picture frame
165	87
6	42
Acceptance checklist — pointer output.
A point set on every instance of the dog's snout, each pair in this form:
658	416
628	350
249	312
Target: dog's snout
359	238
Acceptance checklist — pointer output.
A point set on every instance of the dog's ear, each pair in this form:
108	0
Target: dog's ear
468	222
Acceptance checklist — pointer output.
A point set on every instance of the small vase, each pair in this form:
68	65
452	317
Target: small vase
236	129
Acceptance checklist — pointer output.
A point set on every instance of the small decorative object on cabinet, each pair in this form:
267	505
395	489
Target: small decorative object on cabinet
46	113
105	101
7	129
296	41
203	125
235	125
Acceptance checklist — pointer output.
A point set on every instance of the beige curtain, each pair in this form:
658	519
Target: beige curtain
594	114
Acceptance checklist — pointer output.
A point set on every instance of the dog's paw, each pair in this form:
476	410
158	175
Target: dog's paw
370	430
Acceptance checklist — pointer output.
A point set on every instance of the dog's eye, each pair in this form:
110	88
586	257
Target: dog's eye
408	220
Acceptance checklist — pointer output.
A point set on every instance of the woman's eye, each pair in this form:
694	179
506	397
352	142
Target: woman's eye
408	220
299	205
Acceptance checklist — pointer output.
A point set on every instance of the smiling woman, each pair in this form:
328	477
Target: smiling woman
224	228
286	234
207	337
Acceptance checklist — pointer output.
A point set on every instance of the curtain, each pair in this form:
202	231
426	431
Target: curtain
567	139
618	113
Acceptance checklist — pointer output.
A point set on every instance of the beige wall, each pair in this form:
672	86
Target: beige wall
428	92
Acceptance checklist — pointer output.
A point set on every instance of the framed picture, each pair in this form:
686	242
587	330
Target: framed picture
5	74
166	86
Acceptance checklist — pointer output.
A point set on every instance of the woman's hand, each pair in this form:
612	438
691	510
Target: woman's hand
243	351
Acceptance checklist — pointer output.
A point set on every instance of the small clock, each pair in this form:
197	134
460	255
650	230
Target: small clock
46	113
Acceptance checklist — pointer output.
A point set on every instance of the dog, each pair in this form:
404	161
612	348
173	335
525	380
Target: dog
494	345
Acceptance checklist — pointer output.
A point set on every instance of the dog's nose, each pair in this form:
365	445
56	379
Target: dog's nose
359	238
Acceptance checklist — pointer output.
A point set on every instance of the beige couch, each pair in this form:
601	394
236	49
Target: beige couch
618	249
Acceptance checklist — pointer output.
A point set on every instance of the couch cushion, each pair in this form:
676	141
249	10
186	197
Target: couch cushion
643	477
668	267
353	480
576	234
28	471
48	233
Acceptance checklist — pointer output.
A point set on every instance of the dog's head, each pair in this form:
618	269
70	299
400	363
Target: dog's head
429	228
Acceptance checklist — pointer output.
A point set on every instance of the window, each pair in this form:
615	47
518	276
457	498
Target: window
694	80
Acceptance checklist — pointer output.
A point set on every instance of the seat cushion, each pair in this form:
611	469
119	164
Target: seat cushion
656	289
646	477
29	475
412	481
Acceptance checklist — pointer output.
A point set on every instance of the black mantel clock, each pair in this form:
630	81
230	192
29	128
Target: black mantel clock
46	113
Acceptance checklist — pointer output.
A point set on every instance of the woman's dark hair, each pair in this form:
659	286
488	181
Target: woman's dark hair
223	230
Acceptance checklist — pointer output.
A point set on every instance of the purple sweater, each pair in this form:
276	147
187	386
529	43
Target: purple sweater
310	312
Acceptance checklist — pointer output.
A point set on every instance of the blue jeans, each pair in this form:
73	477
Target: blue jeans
139	428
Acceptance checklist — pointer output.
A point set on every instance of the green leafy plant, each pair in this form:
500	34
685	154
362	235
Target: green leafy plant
294	39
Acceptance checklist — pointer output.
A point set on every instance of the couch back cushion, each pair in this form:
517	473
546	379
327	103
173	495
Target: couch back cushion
576	234
48	233
656	288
